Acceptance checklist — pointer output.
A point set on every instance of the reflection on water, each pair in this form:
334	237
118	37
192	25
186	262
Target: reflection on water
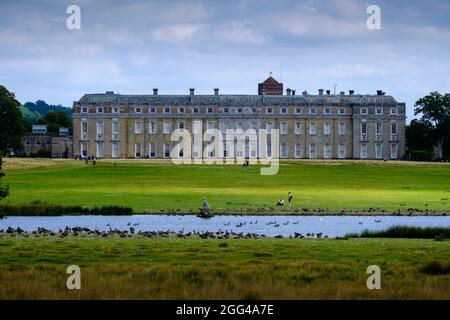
331	226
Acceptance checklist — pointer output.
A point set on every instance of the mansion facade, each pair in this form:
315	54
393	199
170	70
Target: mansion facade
321	126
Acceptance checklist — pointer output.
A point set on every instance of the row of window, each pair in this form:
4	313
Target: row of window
284	151
36	143
168	127
378	129
238	110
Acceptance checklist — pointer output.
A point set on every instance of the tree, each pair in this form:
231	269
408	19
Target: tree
4	190
55	120
435	109
419	135
11	122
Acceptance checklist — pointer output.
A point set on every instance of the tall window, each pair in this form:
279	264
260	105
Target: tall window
327	128
115	149
152	127
312	151
84	127
364	151
138	150
341	128
312	110
284	151
327	110
283	127
298	128
138	127
115	128
100	151
363	127
379	130
100	130
167	150
378	151
167	127
394	147
312	128
341	151
327	151
298	150
298	110
152	150
393	127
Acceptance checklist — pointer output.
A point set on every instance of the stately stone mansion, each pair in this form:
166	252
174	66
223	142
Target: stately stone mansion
345	125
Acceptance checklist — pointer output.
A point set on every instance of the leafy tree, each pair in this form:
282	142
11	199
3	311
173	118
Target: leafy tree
11	124
54	120
4	190
435	109
419	136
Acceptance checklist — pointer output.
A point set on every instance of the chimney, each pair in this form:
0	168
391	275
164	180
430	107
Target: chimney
342	93
216	91
320	92
109	92
351	92
192	90
293	92
288	91
305	93
379	92
328	92
155	91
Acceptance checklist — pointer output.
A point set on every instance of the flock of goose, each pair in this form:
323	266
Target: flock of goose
131	231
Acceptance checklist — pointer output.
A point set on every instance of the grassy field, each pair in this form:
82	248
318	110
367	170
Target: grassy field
150	187
170	268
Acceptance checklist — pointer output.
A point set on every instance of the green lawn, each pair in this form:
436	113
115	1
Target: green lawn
151	186
171	268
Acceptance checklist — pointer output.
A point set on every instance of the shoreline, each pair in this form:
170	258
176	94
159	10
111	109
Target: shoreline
355	213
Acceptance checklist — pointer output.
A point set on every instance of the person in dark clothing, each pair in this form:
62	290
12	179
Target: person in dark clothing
289	198
94	161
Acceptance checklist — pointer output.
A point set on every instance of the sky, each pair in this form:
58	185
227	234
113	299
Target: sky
131	47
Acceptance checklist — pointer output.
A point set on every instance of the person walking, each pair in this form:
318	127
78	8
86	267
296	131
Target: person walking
289	198
94	161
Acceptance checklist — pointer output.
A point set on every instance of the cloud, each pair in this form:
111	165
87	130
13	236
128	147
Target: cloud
239	32
176	32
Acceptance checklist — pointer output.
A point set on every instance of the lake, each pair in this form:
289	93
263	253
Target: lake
332	226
